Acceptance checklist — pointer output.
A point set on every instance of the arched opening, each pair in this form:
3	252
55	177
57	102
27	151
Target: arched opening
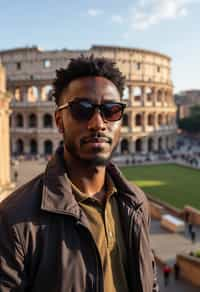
47	93
19	147
159	95
150	120
160	144
167	142
125	93
160	119
149	94
48	147
125	120
47	121
138	145
33	147
137	93
32	121
150	145
124	146
33	94
19	121
17	94
138	120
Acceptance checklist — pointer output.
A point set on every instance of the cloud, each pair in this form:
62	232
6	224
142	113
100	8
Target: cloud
117	19
94	12
151	12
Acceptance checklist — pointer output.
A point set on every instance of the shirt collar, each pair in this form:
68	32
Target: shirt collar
80	196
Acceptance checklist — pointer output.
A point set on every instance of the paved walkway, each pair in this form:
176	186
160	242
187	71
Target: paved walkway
175	286
165	244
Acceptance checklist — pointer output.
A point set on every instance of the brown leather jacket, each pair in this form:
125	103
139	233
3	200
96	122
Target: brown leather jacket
45	243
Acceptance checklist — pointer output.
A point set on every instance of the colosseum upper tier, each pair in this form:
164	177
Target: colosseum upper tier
149	122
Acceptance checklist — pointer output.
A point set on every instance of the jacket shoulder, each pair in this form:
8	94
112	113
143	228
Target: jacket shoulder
24	201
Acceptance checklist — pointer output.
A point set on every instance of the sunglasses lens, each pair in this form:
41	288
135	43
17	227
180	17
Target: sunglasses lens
82	110
112	111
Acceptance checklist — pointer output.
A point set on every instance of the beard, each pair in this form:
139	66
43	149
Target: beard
97	160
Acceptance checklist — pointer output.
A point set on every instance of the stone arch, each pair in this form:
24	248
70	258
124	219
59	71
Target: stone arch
33	147
32	94
138	120
150	144
19	120
138	145
160	119
48	147
125	146
125	95
47	121
46	94
160	143
167	143
159	95
18	94
32	121
149	94
19	147
125	120
150	120
137	93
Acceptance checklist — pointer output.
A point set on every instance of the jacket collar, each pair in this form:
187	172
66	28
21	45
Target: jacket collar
57	193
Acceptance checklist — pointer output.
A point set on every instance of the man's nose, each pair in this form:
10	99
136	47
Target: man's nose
96	122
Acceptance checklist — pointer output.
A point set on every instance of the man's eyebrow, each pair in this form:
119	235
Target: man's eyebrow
81	98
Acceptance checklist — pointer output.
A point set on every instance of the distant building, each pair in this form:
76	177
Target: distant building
149	122
5	182
185	100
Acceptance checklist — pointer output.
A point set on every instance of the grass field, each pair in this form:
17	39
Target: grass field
176	185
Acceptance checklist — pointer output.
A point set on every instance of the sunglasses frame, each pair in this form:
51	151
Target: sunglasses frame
98	106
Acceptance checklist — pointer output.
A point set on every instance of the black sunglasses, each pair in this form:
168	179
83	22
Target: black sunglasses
83	110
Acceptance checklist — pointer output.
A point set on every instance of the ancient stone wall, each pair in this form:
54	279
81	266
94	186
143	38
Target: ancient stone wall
149	122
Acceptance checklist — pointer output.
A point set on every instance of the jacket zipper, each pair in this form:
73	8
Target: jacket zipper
137	280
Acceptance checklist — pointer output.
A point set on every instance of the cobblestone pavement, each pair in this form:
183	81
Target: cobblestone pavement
165	244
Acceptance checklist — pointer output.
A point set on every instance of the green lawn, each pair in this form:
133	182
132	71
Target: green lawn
171	183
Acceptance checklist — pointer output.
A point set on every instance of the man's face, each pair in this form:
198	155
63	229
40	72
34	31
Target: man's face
93	140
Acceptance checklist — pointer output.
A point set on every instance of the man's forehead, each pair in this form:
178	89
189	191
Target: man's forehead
91	84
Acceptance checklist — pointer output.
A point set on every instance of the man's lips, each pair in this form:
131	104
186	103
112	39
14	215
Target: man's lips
96	140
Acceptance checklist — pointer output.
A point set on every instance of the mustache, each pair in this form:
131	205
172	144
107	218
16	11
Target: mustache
93	136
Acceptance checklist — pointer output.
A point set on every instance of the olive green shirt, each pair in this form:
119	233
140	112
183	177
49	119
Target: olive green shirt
106	230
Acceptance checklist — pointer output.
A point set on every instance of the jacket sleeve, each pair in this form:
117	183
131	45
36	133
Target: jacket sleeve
11	258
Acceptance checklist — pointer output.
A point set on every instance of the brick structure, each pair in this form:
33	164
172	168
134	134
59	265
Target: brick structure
149	122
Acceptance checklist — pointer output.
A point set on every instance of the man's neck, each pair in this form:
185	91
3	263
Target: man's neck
88	179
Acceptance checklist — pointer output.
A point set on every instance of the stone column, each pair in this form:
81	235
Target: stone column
132	146
144	121
143	95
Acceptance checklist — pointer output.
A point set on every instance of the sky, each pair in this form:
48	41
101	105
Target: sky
171	27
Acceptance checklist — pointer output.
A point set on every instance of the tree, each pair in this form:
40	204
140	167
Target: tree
191	124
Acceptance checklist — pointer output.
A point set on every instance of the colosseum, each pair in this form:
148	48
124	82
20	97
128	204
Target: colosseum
149	123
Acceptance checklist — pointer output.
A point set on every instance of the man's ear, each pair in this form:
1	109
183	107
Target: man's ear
59	121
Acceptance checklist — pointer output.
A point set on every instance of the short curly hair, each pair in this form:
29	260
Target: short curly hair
87	66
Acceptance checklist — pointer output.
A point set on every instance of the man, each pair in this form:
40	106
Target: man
79	226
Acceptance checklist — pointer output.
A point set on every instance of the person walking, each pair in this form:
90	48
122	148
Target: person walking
166	274
176	271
